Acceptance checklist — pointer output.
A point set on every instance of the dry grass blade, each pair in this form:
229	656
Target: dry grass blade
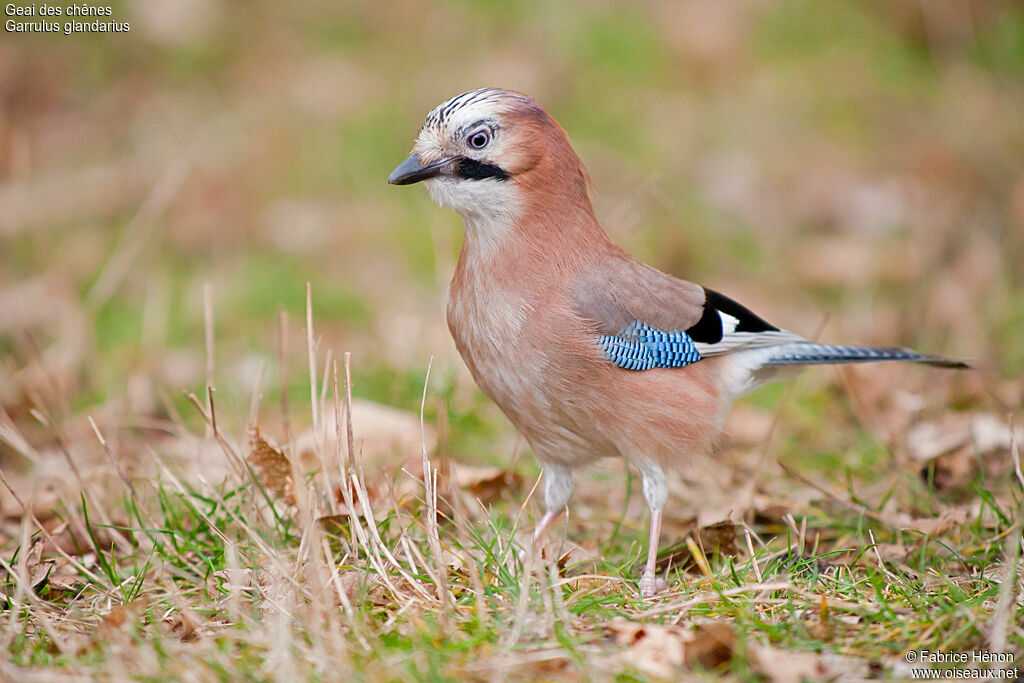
211	420
311	351
430	495
1013	570
27	510
112	459
10	435
282	370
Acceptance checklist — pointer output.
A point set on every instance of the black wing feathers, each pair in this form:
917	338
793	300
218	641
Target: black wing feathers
708	329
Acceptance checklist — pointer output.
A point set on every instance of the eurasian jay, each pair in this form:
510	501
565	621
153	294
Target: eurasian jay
589	352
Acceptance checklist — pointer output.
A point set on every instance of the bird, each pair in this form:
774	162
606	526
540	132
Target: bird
589	352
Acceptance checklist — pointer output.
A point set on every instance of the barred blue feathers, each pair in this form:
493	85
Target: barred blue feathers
639	346
807	353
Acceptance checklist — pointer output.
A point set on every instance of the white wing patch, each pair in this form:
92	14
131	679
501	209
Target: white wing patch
729	323
737	341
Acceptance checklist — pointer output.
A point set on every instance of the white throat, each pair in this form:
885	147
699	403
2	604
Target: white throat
488	207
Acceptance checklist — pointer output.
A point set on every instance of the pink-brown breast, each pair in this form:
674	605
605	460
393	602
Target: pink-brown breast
529	351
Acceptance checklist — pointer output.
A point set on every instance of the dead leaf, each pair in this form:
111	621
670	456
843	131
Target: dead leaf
991	433
115	621
272	467
39	574
712	646
37	569
935	526
955	447
74	539
655	649
952	471
376	495
929	440
984	433
786	666
571	559
184	624
486	484
64	582
891	552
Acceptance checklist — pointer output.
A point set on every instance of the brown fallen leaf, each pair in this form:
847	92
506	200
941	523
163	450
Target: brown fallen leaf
74	539
571	559
929	440
786	666
115	621
949	517
771	514
934	526
271	466
184	624
655	649
64	582
36	567
890	552
486	484
712	646
376	494
951	448
39	575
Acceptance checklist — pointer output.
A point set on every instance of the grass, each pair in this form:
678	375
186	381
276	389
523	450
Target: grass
223	577
160	215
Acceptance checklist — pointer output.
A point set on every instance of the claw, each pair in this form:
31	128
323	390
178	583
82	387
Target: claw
648	586
651	585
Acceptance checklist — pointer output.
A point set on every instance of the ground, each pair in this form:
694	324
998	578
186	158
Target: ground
214	470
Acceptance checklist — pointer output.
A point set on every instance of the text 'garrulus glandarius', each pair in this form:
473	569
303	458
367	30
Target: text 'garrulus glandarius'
589	352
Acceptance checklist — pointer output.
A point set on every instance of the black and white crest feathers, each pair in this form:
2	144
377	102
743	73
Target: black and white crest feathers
441	114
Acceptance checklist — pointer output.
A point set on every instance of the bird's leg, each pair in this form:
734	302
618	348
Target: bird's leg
557	491
655	493
545	523
648	580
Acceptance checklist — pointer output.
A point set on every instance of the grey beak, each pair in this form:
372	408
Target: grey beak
410	171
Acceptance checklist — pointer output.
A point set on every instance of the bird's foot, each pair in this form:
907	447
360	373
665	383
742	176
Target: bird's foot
651	585
527	552
533	550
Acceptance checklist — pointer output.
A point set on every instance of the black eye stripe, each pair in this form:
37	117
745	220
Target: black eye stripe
471	169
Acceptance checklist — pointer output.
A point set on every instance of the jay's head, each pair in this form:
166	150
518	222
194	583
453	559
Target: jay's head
491	154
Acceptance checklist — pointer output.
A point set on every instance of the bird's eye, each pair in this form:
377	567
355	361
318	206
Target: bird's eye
479	139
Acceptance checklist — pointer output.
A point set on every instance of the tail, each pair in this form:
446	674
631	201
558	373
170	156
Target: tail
808	353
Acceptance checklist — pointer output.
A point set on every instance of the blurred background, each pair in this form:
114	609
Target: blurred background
854	171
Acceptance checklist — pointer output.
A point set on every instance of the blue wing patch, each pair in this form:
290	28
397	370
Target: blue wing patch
641	347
